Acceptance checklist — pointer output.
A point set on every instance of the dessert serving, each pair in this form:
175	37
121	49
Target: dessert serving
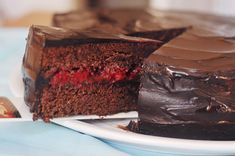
93	64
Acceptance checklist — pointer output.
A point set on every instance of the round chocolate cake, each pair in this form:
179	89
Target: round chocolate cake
186	62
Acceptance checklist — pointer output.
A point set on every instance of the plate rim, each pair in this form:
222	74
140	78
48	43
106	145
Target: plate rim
219	147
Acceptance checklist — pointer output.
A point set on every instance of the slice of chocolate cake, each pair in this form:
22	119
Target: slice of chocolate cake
188	89
66	72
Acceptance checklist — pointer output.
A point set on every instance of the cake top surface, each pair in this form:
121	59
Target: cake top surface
195	54
47	36
137	20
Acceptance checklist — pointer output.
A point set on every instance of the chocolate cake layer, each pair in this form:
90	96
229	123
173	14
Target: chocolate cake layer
75	63
100	98
188	89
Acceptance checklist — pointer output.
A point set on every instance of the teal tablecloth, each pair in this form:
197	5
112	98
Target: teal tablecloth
38	138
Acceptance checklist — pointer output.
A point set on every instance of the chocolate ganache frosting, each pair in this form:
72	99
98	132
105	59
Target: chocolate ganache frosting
188	88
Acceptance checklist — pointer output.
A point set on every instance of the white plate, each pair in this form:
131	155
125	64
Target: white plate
109	130
15	79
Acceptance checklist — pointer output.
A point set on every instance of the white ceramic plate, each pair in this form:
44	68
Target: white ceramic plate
109	130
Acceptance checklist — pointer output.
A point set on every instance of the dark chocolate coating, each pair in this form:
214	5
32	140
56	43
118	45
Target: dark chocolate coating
187	84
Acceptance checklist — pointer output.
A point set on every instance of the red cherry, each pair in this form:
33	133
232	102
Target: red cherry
134	73
119	76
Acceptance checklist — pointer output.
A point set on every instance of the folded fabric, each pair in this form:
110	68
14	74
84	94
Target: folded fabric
39	138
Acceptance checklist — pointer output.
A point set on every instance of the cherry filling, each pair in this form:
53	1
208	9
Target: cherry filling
78	77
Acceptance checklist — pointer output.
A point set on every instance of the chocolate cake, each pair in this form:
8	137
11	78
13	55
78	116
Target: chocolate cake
67	72
188	89
93	65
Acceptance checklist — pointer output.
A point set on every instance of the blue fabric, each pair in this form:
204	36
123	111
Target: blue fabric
38	138
42	139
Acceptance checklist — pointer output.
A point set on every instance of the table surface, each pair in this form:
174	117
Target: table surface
39	138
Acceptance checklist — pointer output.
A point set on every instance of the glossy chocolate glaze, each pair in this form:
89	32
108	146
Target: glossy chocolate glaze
189	82
194	54
41	37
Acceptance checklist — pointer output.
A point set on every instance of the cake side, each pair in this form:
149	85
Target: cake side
31	68
220	132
